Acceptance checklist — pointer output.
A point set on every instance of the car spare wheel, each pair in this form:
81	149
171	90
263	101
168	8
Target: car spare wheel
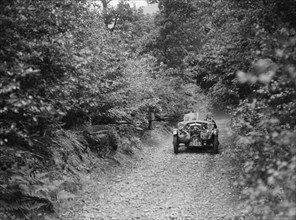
176	144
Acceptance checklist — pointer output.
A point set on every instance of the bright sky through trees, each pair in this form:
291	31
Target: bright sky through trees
138	3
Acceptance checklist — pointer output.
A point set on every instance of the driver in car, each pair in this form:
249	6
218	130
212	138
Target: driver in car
209	117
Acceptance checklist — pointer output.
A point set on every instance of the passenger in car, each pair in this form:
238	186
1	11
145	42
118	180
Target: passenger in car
209	117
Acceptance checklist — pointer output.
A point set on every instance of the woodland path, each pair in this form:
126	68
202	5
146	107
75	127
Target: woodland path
193	184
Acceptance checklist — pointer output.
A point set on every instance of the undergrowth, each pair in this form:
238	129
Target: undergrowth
34	183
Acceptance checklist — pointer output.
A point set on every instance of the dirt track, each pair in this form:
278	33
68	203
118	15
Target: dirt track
191	185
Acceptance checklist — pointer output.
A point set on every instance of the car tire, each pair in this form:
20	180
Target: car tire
215	144
176	144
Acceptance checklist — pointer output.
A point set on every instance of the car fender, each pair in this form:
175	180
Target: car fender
175	131
216	131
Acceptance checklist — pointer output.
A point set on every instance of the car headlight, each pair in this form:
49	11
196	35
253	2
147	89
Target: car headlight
180	126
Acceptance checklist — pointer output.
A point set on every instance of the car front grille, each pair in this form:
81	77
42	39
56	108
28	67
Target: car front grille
195	130
195	133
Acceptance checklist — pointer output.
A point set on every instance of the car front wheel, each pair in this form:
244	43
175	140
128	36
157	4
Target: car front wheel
176	144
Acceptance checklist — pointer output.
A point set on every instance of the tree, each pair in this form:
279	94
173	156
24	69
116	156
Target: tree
172	40
244	59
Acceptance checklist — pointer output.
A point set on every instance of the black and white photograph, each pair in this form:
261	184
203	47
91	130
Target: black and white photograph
147	109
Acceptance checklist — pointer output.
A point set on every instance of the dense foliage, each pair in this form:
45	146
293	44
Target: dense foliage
243	57
70	64
64	67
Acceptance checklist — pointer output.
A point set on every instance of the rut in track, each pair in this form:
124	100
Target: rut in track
190	185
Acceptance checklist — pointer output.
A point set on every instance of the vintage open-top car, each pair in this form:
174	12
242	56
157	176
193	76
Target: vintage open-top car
196	133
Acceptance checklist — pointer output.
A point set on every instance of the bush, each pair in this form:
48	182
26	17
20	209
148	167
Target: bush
266	126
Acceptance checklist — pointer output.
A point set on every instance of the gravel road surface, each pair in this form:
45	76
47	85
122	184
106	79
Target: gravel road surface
193	184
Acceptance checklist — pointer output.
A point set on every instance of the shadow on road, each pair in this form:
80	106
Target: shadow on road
197	150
